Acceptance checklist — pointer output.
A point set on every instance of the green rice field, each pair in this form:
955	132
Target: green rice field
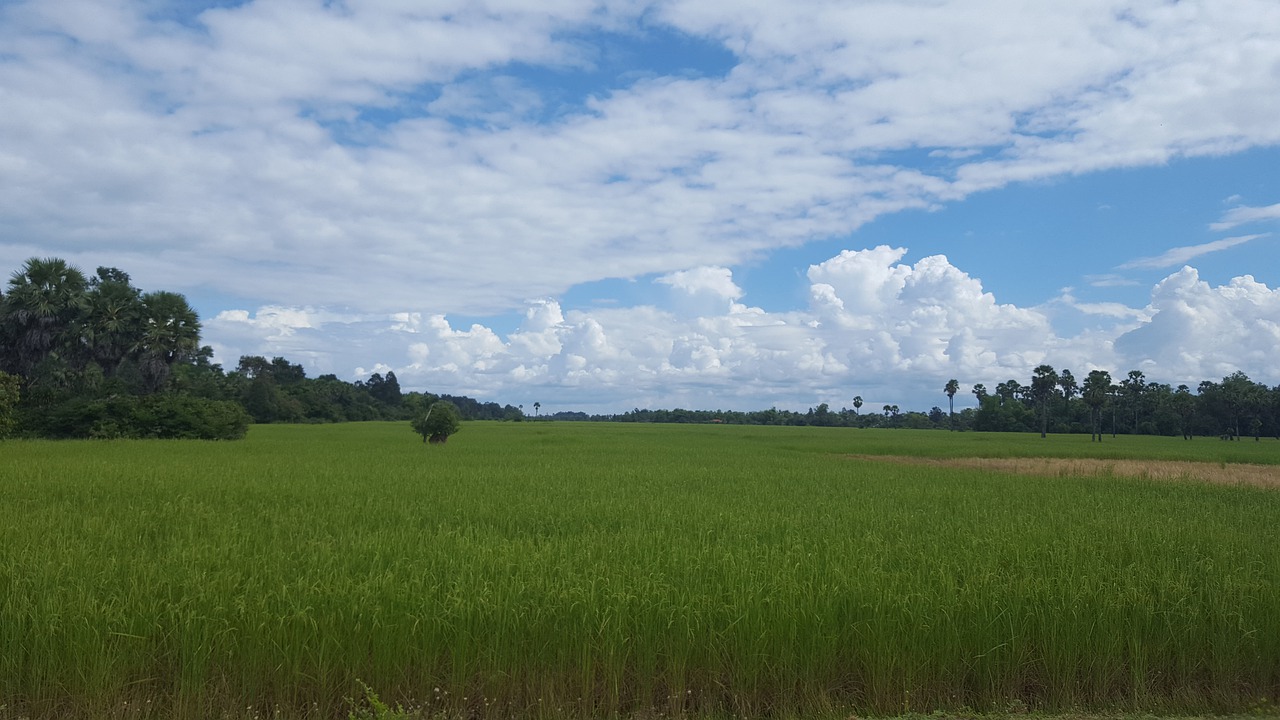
565	570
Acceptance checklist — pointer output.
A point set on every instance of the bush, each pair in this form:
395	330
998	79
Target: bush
440	420
191	418
165	415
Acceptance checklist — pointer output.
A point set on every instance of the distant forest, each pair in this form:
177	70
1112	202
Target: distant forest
1053	402
96	357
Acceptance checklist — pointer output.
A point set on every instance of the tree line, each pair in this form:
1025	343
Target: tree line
1232	408
1052	402
95	356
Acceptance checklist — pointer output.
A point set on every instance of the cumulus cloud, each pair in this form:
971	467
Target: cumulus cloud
876	326
1198	332
703	291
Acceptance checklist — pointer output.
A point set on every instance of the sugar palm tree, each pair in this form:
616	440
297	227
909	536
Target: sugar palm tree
1067	382
1097	386
1133	389
170	334
39	314
1043	384
113	322
951	389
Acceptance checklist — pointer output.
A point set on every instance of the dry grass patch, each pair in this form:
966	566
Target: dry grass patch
1267	476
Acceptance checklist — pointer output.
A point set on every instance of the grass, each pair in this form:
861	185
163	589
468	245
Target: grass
573	570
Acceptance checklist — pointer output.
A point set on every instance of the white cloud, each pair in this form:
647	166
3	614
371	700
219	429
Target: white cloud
1198	332
716	281
1114	310
876	327
1111	280
297	153
300	334
702	291
393	162
1181	255
499	101
1244	214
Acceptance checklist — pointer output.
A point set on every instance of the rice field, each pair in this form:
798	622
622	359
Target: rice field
562	570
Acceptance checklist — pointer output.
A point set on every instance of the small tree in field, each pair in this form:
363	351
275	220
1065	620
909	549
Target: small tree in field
438	422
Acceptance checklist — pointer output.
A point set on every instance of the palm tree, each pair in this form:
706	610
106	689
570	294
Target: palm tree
1043	384
113	319
951	389
536	407
1185	406
46	299
1009	391
1094	393
170	334
857	404
1114	393
1134	387
1067	382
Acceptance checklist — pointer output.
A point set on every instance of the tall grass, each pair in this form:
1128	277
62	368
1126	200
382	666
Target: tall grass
549	570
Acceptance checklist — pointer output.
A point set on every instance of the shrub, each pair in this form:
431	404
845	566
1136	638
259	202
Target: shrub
185	417
164	415
440	420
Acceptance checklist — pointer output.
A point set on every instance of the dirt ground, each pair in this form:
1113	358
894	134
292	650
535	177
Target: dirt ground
1267	476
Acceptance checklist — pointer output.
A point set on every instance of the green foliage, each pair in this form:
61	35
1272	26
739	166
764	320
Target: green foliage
572	570
1003	414
267	403
440	420
385	390
170	334
162	416
373	708
96	358
184	417
44	302
10	392
951	388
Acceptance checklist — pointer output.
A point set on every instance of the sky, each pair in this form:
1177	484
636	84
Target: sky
605	205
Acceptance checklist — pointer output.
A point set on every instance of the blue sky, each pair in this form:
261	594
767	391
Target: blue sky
603	205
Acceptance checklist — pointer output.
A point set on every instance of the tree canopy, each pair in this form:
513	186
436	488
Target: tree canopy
437	422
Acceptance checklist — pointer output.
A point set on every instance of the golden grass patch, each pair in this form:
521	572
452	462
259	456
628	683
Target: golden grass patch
1267	476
